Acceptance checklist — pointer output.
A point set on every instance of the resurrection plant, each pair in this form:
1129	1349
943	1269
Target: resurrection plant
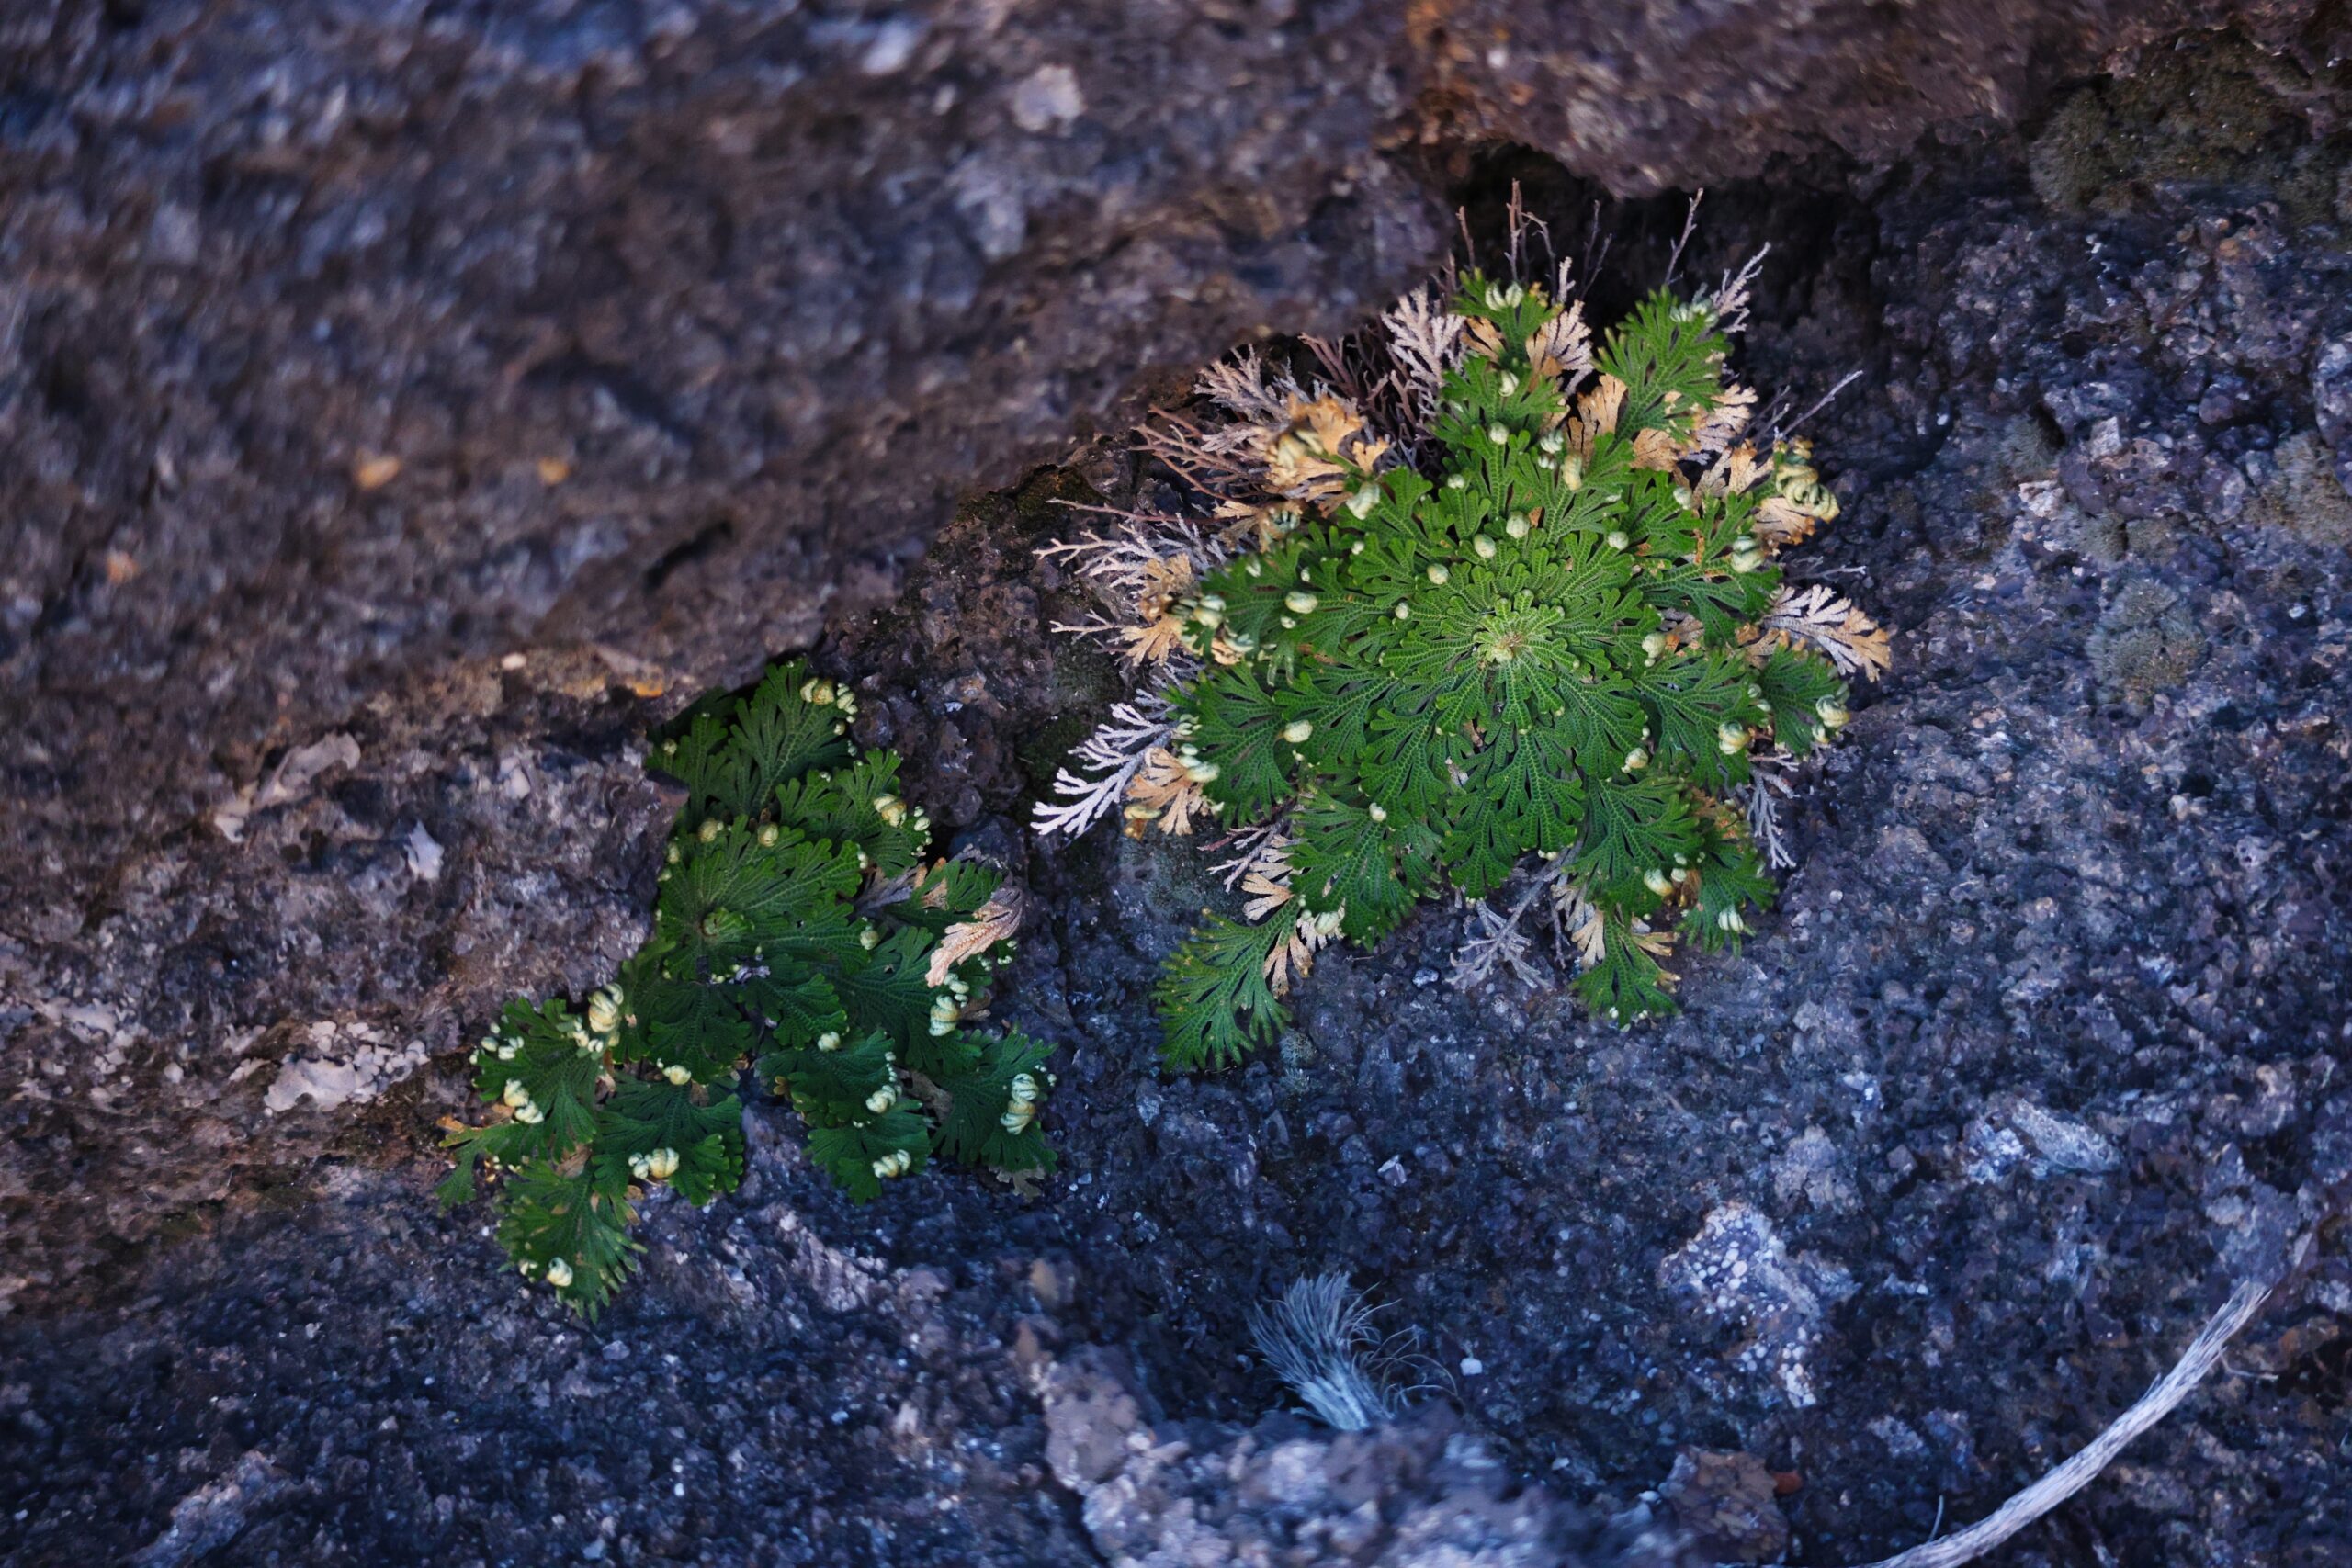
1486	601
799	923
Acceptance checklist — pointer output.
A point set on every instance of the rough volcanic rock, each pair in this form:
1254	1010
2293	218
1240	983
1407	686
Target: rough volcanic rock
346	350
2041	1050
1657	93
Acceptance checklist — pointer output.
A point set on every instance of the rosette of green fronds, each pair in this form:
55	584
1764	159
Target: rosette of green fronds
1512	612
799	927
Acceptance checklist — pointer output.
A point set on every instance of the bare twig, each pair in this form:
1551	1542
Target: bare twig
2080	1470
1596	244
1690	227
1819	403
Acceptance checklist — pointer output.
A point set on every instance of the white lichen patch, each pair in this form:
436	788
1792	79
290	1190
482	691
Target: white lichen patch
424	854
1735	1272
2012	1131
347	1064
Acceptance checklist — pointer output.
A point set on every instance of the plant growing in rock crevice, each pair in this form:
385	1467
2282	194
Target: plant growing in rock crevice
1493	595
798	923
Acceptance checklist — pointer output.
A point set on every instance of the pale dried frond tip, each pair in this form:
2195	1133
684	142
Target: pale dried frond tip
1497	937
1767	784
1562	349
1658	945
1239	386
1721	425
1164	793
1113	754
1317	454
1496	943
1127	562
1656	450
1426	341
1266	882
1220	459
994	922
1736	472
1587	932
1263	849
1730	299
1596	416
1154	642
1293	958
1362	370
1855	644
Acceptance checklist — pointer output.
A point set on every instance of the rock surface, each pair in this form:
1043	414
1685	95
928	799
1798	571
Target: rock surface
313	761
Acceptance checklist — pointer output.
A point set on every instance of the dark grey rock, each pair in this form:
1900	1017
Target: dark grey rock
762	307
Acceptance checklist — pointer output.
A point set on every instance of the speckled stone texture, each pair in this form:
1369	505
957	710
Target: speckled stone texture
1655	93
684	325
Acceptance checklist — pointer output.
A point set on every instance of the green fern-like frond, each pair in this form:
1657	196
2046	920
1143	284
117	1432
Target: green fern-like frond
795	924
1215	1003
1559	631
993	1108
571	1229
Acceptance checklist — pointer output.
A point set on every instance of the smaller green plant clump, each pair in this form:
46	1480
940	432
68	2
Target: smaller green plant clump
798	924
1512	608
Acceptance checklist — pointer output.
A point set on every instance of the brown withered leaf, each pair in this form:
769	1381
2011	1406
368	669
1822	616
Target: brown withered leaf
1325	443
1293	958
1164	580
992	923
1720	425
1266	894
1855	644
1153	643
1737	471
1561	348
1162	784
1486	338
1596	416
1658	945
1656	449
1779	523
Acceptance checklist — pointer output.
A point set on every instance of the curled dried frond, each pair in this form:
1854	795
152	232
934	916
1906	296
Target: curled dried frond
1736	472
1594	416
1800	502
1855	643
1164	793
1292	957
1561	349
997	920
1574	915
1657	450
1323	451
1265	879
1720	426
